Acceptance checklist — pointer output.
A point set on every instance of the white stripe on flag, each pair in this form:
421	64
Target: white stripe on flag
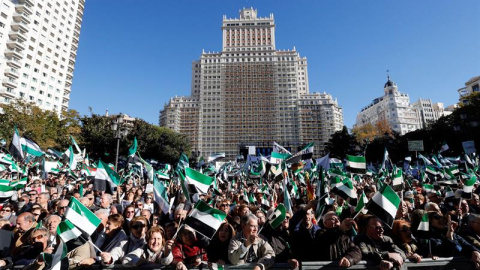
386	204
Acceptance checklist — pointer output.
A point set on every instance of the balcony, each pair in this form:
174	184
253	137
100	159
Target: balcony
12	62
20	26
15	44
28	2
17	35
22	7
14	53
12	73
7	92
9	82
18	17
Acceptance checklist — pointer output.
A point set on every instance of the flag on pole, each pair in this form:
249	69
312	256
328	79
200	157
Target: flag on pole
54	261
386	157
106	179
80	216
75	144
197	182
356	162
215	156
468	187
72	162
361	204
304	154
323	162
449	194
347	191
277	148
161	196
277	158
67	231
397	179
133	149
384	205
205	219
428	188
278	216
16	147
30	147
424	225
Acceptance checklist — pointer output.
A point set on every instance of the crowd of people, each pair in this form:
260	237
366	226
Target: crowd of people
134	231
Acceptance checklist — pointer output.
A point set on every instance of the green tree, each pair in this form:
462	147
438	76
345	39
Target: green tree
42	126
342	143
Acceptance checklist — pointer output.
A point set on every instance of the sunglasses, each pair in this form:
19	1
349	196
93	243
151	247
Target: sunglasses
32	194
62	207
224	205
138	226
405	229
91	199
38	237
149	198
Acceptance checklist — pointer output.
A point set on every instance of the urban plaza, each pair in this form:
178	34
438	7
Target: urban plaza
246	166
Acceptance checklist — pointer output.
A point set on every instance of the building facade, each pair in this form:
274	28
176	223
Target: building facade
38	48
394	107
248	94
471	86
428	112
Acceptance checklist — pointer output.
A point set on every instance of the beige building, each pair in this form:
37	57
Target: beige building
250	93
471	86
428	112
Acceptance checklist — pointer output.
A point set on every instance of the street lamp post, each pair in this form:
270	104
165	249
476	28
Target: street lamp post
120	130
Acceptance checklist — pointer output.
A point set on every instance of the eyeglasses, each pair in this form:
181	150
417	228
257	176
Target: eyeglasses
405	229
149	198
130	211
33	194
138	226
224	205
6	210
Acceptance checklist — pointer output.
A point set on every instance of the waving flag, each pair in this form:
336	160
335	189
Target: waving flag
80	216
205	219
384	205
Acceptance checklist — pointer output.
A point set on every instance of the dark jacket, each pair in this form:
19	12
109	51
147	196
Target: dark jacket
377	251
333	244
302	239
444	247
279	240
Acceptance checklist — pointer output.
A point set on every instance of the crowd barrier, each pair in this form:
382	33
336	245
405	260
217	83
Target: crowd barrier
452	263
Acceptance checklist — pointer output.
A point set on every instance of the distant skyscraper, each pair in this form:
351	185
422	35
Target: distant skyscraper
394	107
251	94
38	47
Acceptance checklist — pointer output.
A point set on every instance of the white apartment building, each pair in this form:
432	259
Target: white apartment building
247	94
428	112
471	86
38	47
393	107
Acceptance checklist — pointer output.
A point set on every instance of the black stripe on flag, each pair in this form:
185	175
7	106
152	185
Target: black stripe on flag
380	213
200	227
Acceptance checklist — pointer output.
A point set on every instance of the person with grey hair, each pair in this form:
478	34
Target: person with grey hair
51	223
25	225
43	199
106	201
249	247
433	207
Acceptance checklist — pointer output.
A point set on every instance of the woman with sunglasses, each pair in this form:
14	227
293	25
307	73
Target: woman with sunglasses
138	229
402	236
156	251
8	213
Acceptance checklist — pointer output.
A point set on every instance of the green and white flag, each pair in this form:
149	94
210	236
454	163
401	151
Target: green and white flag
106	179
384	205
133	149
197	182
347	191
72	161
397	179
277	158
75	144
16	146
5	185
215	156
468	186
428	188
30	147
81	216
444	147
67	231
54	261
205	219
160	195
278	216
361	204
424	224
356	162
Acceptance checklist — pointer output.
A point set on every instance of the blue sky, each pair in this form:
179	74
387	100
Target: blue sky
134	55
